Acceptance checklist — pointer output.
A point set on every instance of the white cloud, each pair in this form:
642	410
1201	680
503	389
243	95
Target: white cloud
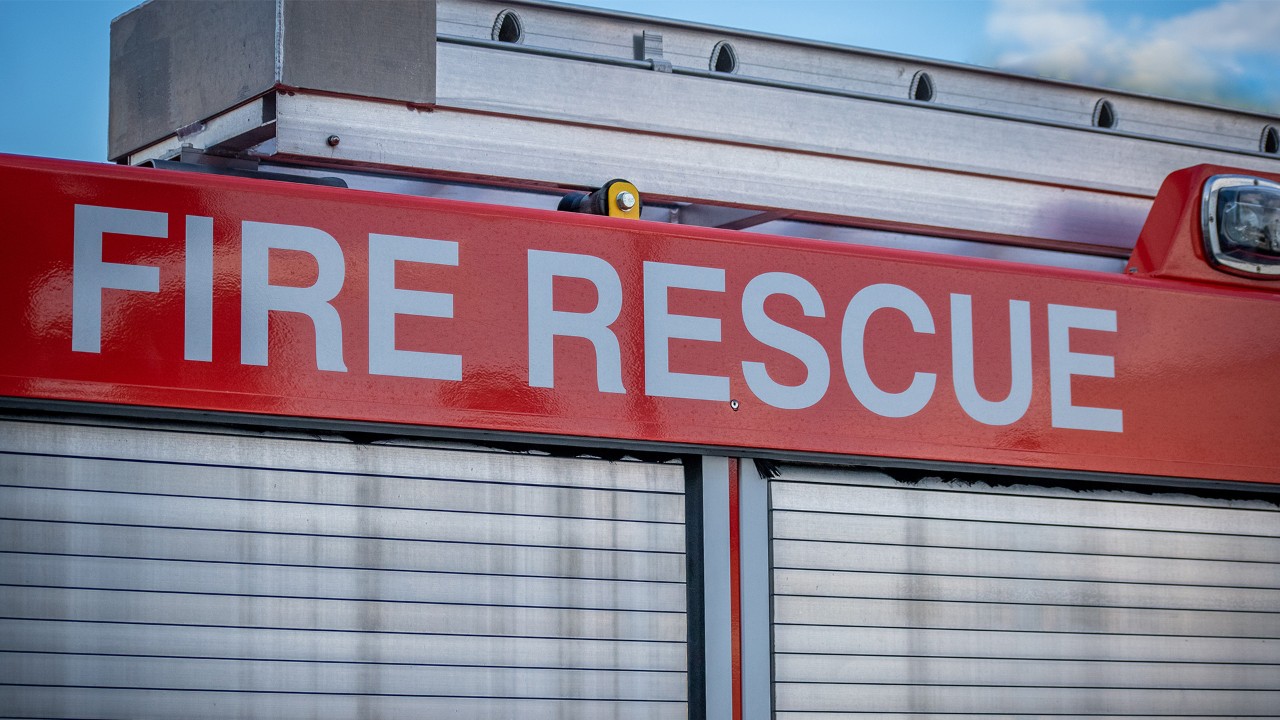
1164	65
1204	54
1238	26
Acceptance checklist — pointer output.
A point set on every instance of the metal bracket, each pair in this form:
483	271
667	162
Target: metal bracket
191	159
616	198
649	47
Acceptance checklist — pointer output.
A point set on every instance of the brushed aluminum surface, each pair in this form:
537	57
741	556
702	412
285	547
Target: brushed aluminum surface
492	495
372	583
832	612
1073	673
717	586
908	163
935	597
907	583
1023	505
234	610
128	704
915	699
980	534
335	646
1057	566
273	548
985	716
917	134
691	169
143	571
1048	643
338	678
1098	258
841	68
338	520
325	453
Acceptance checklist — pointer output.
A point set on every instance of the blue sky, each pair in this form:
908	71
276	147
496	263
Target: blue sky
53	54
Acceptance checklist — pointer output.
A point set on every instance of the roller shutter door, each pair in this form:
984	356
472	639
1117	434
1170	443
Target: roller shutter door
942	599
150	573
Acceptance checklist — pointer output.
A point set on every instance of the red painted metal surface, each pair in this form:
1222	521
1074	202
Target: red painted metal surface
735	586
1171	245
1195	390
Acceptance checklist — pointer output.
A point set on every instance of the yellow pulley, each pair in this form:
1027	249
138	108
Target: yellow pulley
616	198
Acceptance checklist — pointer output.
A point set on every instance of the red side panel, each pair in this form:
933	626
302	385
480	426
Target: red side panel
1125	374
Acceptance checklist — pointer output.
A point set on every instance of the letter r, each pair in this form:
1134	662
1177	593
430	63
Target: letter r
545	322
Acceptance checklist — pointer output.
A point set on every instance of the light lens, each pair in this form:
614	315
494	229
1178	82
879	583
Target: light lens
1242	224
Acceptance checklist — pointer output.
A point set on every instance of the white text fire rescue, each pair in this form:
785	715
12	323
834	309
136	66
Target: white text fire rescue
260	298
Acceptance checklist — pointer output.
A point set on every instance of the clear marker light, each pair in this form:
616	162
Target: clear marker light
1241	225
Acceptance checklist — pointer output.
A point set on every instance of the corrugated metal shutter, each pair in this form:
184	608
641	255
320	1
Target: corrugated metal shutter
200	575
946	599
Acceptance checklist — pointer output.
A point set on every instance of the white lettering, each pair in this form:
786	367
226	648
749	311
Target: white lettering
1063	364
963	374
789	340
90	275
660	327
258	297
852	345
198	310
386	301
546	323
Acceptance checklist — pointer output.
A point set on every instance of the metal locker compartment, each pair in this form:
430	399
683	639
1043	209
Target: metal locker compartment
192	572
977	599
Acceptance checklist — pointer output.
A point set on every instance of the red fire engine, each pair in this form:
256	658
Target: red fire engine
882	386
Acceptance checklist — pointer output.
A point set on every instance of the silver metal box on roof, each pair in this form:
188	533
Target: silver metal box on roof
175	64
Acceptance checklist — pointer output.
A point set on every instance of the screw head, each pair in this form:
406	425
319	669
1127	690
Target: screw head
733	404
333	140
626	201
